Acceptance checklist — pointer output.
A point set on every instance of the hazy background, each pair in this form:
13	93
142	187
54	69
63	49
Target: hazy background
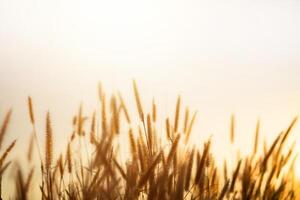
237	57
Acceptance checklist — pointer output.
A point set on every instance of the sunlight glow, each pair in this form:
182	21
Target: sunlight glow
237	57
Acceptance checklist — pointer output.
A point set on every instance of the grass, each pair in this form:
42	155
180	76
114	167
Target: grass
159	166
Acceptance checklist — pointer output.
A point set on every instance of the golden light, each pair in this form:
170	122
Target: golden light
223	58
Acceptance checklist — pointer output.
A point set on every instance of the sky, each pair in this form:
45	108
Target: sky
237	57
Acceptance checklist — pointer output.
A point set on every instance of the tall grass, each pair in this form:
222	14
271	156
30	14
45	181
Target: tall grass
159	165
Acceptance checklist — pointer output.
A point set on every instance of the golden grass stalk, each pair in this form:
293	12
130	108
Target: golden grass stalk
142	141
119	167
30	107
154	110
256	137
201	162
74	121
138	101
186	120
285	135
49	143
224	190
179	193
32	120
232	128
168	129
142	154
271	175
60	165
93	139
115	115
124	108
5	166
80	121
225	170
190	127
289	129
173	150
149	171
288	155
20	185
133	146
268	154
100	91
103	114
189	169
177	113
6	152
69	158
150	134
234	176
30	148
265	146
4	126
29	179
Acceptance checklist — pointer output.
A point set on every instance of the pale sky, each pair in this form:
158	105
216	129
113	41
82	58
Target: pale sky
237	57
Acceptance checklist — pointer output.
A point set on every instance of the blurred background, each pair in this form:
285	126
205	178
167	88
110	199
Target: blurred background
238	57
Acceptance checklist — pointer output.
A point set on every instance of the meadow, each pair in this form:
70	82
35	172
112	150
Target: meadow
161	163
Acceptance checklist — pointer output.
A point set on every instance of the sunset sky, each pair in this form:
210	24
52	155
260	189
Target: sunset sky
237	57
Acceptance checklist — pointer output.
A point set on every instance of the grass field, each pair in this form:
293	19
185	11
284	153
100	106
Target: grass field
160	165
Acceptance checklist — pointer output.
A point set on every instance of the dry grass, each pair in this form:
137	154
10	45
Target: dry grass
157	168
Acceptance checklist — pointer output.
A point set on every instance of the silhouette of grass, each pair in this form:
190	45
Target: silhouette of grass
156	168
